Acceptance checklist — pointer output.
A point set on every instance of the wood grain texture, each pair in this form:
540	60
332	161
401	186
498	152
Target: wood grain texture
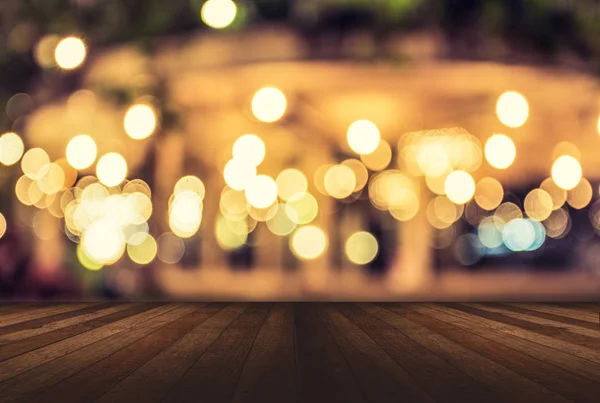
298	352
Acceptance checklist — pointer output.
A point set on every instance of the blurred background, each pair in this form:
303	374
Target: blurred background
300	149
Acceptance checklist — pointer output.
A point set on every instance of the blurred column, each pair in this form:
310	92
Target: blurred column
212	254
170	151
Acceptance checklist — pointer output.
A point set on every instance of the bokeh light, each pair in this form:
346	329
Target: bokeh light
170	248
361	247
143	252
291	182
489	232
500	151
488	193
360	173
81	151
190	183
218	14
70	53
581	195
269	104
512	109
261	191
238	175
566	172
111	169
139	121
506	212
538	204
363	136
11	148
339	181
249	149
103	242
302	208
519	234
459	187
3	225
378	159
308	242
185	214
227	237
280	223
35	163
558	195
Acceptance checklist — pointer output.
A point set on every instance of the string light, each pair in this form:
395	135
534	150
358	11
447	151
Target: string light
363	136
512	109
81	151
111	169
566	172
139	121
500	151
269	104
70	53
218	14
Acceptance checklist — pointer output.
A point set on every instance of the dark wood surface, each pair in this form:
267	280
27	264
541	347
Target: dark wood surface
299	352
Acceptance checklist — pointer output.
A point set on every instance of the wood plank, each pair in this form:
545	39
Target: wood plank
585	368
151	382
41	326
485	371
525	309
25	315
269	374
216	373
7	308
96	379
568	311
591	343
380	376
32	343
24	362
451	384
323	371
562	382
530	316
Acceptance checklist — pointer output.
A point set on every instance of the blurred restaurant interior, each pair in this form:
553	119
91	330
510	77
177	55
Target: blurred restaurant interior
300	150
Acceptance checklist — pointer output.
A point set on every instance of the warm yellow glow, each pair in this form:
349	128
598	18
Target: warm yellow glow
442	213
581	195
378	159
280	222
291	182
139	121
404	204
269	104
433	159
81	151
500	151
512	109
249	149
566	148
218	14
35	163
2	225
360	173
302	208
111	169
507	212
308	242
233	204
144	252
191	183
363	136
227	237
170	248
558	224
238	175
185	214
44	51
566	172
340	181
53	179
459	187
598	125
103	242
70	53
361	247
538	204
558	195
11	148
137	208
86	261
489	193
261	191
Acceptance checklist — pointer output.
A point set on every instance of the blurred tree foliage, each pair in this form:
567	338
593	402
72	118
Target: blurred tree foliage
545	27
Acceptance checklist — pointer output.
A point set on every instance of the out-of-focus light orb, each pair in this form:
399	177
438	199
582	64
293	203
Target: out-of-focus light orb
558	195
558	224
500	151
404	204
360	172
442	213
459	187
103	241
291	182
140	121
433	159
144	252
308	242
380	158
11	148
581	195
269	104
86	261
170	248
538	204
227	238
540	235
191	183
361	247
340	181
261	191
506	212
467	249
250	149
518	235
302	208
280	223
53	179
2	225
218	14
111	169
185	214
238	175
512	109
566	172
81	151
363	136
488	193
489	233
70	53
35	163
